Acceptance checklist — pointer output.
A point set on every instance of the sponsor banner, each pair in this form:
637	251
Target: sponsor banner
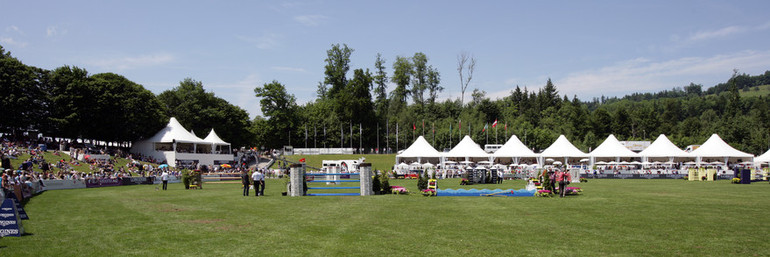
10	224
63	184
171	180
644	176
103	182
137	180
20	210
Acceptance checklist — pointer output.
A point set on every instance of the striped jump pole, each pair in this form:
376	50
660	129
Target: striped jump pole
296	178
365	175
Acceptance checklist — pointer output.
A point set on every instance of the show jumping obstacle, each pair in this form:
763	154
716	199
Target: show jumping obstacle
333	176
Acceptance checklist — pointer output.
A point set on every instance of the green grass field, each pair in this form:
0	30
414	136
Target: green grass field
612	217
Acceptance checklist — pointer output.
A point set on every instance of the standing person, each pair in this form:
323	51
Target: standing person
563	178
259	180
245	182
164	178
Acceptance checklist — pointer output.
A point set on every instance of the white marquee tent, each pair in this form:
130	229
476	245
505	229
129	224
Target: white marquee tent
611	149
715	149
764	158
217	144
663	150
562	148
174	143
514	149
420	151
467	150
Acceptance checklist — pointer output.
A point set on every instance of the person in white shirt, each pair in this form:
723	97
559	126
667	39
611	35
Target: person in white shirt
259	180
164	178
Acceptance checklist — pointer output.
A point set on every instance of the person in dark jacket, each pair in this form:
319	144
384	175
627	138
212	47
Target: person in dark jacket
245	182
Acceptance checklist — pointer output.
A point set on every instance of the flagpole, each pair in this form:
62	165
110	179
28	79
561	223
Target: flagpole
351	133
315	136
387	134
360	131
450	134
396	136
305	135
378	137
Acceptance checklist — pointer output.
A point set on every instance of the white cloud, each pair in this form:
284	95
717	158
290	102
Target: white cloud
643	75
266	41
311	20
54	30
719	33
15	29
131	62
12	42
289	69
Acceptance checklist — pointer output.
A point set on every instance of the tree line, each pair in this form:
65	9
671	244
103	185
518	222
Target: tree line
355	109
69	102
347	111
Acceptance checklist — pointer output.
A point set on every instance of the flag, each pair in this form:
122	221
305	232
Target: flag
302	160
494	124
414	127
506	126
460	125
485	128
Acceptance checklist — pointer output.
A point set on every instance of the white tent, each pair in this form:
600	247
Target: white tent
612	149
514	149
764	158
419	151
562	148
174	142
219	145
715	149
467	149
174	132
662	148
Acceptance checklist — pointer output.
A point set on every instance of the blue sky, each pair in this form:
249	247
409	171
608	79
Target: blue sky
588	48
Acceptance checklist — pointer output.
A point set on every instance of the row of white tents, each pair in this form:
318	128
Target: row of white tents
514	152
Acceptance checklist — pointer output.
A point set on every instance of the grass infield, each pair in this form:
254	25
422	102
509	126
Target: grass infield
612	217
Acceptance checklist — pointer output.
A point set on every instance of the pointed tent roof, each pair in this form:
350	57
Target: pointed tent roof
763	158
514	148
174	132
562	148
420	148
611	147
716	147
193	132
662	147
214	139
467	148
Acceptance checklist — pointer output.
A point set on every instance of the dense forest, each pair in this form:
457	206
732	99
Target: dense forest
355	109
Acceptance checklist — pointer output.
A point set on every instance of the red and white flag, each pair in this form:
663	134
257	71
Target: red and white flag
494	124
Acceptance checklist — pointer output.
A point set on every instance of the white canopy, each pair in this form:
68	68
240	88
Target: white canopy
420	148
175	132
715	147
662	147
467	148
611	147
562	148
763	158
514	148
214	139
